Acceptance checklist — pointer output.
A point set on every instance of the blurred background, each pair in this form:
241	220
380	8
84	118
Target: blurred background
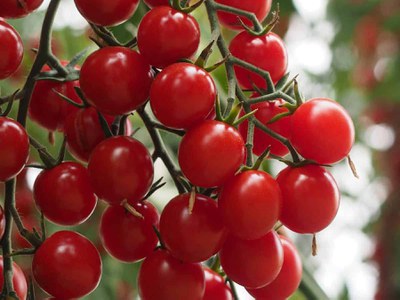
348	50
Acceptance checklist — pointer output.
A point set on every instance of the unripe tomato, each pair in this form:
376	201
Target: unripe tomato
11	49
18	279
13	9
216	288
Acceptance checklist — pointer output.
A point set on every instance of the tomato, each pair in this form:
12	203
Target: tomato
250	204
107	13
153	3
166	35
310	198
288	279
260	8
267	52
182	95
24	201
265	112
18	279
252	263
322	131
2	222
127	237
11	49
162	276
192	236
216	289
67	265
64	194
116	80
14	150
219	151
120	168
13	9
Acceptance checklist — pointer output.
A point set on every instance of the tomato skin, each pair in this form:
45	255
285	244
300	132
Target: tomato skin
252	263
250	204
107	13
64	194
153	3
196	236
120	168
216	289
127	237
67	265
267	52
19	280
219	152
162	276
11	49
310	198
322	131
116	80
14	150
166	35
182	95
10	9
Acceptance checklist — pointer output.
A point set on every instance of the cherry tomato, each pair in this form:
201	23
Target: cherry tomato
13	9
120	168
250	204
267	52
18	279
166	35
252	263
310	198
322	131
182	95
260	8
153	3
116	80
127	237
14	150
24	201
219	151
216	289
107	13
11	49
192	236
67	265
162	276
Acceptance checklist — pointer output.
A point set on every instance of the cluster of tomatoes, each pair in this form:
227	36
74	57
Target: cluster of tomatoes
228	213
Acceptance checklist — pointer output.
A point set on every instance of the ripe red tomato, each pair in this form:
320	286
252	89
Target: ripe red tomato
24	201
14	150
192	236
162	276
13	9
11	49
250	204
310	198
67	265
64	194
18	279
219	152
127	237
322	131
153	3
260	8
107	13
116	80
252	263
266	111
267	52
166	35
182	95
216	288
120	168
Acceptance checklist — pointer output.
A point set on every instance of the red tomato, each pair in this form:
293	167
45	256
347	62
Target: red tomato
166	35
210	153
121	168
127	237
19	280
260	8
107	13
116	80
14	150
216	289
11	49
322	131
64	194
153	3
252	263
192	236
13	9
310	198
267	52
182	95
250	204
24	201
162	276
67	265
